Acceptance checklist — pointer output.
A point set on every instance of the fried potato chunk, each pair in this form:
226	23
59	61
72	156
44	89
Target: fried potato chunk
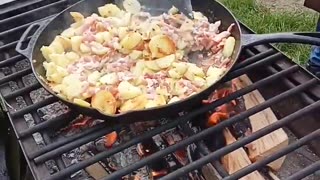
136	103
161	45
104	101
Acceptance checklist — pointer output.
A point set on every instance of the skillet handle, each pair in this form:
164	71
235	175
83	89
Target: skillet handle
38	26
302	38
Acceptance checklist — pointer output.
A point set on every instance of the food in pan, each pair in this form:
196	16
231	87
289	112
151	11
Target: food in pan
124	60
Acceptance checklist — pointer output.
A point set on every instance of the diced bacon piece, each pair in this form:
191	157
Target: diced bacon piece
221	36
230	27
88	37
215	27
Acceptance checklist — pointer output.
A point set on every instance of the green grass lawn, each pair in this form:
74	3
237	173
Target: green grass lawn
263	20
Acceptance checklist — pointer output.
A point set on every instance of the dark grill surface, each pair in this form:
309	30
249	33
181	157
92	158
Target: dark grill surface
26	104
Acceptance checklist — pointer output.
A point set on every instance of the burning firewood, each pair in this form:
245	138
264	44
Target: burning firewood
270	143
238	159
225	111
78	124
172	137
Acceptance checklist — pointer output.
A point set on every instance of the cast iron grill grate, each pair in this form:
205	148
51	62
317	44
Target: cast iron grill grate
16	18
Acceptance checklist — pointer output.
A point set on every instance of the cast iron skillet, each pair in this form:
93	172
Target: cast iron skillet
47	30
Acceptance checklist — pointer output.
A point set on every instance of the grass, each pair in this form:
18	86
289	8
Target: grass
264	20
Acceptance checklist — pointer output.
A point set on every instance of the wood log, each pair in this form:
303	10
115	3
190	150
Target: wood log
237	159
96	171
270	143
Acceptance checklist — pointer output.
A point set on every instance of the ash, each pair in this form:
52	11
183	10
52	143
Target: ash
39	95
21	65
53	110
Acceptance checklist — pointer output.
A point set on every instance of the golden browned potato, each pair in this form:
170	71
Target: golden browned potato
152	65
166	61
128	91
105	102
109	10
77	17
161	45
131	40
81	102
136	103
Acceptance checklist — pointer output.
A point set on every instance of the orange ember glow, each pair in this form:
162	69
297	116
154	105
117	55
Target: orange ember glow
110	139
159	173
82	122
224	111
217	117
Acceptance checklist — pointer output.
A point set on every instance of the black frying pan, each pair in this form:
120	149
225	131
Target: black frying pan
47	30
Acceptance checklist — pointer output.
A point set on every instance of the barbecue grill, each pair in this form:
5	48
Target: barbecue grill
36	117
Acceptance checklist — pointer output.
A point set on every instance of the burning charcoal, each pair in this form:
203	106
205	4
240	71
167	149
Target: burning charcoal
100	145
225	111
148	147
173	165
140	127
124	135
172	137
124	158
110	139
87	147
242	128
215	141
77	125
159	174
141	174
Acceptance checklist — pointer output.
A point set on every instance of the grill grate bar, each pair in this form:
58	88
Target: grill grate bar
31	12
21	7
11	60
288	83
36	118
204	150
246	140
90	132
34	107
294	146
206	132
244	70
22	91
46	124
25	26
16	75
254	59
11	45
306	171
180	120
76	143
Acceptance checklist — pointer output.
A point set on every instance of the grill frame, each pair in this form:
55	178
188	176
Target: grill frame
270	58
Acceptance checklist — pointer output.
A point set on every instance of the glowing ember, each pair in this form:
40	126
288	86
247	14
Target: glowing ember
81	122
110	139
224	111
157	174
